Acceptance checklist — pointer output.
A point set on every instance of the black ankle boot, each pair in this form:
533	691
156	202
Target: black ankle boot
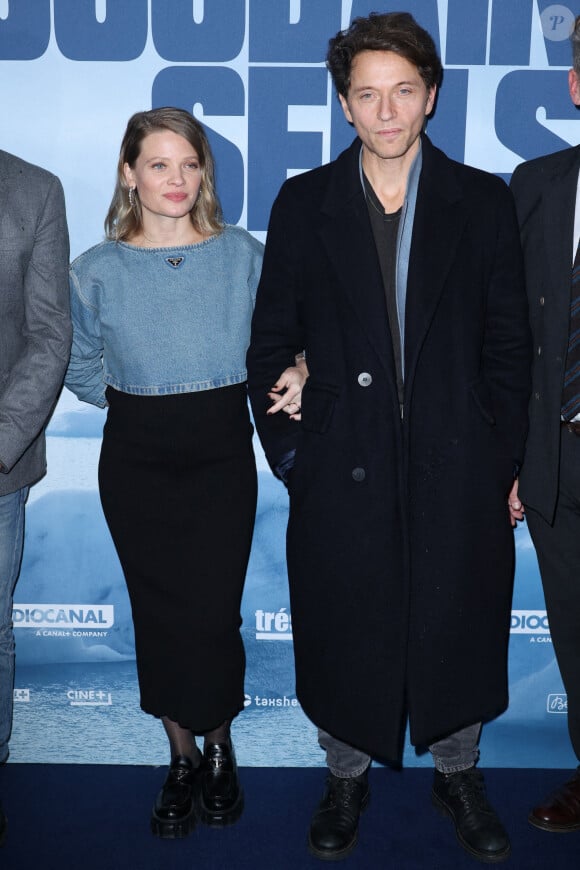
173	814
462	797
220	797
334	828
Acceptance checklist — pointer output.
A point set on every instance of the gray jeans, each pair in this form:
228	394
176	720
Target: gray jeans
457	752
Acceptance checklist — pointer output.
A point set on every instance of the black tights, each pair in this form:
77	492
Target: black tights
182	740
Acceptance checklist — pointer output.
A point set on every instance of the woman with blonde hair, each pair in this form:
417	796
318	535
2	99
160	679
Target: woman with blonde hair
161	314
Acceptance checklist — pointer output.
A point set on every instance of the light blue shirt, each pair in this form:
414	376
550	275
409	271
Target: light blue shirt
160	321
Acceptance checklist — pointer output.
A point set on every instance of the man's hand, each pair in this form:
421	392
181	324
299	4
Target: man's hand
516	508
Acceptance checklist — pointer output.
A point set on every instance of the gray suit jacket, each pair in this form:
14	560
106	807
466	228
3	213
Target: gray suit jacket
35	330
545	195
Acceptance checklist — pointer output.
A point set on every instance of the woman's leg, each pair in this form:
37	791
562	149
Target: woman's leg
173	813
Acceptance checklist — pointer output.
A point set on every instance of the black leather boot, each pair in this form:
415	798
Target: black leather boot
220	797
462	797
334	827
173	814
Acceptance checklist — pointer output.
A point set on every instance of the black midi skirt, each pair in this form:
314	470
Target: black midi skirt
177	480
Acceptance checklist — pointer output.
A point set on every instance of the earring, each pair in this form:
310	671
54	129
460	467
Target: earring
132	197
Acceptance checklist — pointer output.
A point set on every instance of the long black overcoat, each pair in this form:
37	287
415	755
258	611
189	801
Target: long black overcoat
399	547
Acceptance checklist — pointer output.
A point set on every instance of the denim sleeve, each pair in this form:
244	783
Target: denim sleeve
84	375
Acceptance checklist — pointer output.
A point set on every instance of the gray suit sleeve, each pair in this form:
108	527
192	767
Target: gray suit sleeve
30	391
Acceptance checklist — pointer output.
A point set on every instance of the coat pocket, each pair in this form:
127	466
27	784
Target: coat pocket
318	401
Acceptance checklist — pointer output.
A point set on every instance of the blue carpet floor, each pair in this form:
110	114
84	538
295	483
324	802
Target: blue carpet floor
83	817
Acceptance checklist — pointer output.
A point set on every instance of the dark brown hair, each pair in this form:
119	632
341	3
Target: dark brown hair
392	31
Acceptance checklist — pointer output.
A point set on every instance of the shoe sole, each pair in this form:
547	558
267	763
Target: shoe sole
177	830
333	856
221	819
343	853
496	858
551	828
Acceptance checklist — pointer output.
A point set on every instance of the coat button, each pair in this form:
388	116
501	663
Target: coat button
542	300
358	474
364	379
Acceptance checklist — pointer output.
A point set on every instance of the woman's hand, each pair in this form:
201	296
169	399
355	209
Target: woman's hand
286	394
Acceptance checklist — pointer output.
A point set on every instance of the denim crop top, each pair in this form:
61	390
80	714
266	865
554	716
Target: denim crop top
157	321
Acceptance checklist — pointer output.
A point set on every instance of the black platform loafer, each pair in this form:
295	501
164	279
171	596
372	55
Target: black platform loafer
220	797
334	827
173	814
462	797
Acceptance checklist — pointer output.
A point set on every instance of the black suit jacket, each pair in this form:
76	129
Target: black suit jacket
545	194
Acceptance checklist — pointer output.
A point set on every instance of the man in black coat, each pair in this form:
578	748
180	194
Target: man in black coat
398	272
548	205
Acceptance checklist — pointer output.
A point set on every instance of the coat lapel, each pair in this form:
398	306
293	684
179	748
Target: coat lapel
439	222
559	201
347	236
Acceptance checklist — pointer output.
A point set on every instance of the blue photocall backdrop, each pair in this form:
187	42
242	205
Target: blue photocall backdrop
252	71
